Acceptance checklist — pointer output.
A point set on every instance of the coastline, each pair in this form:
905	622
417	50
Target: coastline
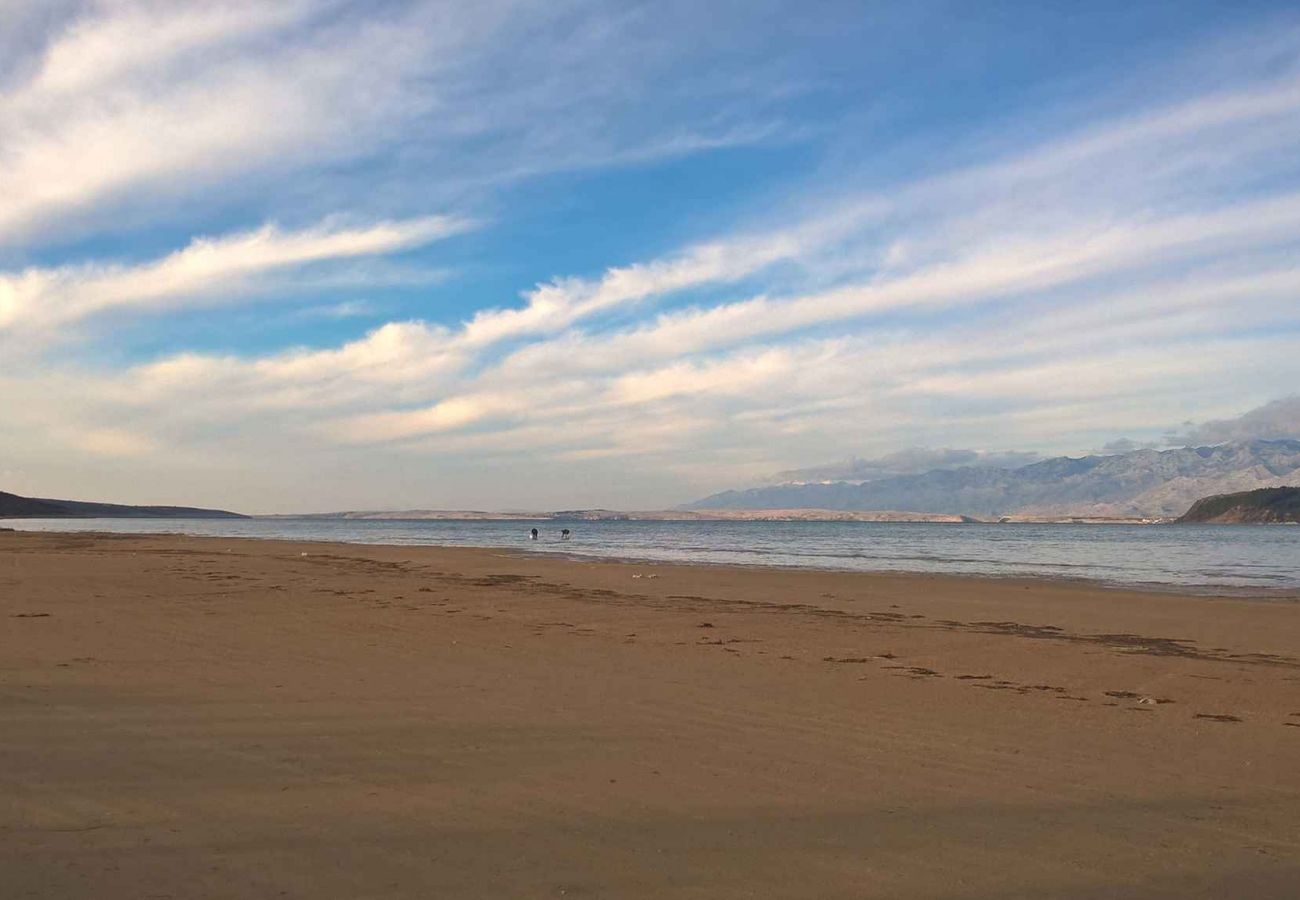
722	515
217	717
1207	590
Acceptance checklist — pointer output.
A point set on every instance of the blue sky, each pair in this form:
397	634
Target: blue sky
318	254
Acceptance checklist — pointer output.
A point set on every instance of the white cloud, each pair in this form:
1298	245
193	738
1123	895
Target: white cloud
221	269
1277	419
561	303
131	108
96	118
122	39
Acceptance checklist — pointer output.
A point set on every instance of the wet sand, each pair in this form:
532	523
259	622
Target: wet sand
186	717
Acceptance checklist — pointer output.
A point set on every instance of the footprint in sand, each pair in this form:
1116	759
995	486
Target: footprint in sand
915	671
1140	698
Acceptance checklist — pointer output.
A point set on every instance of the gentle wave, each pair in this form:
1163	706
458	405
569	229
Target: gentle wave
1239	557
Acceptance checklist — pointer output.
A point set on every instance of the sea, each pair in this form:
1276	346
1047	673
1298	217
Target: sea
1250	559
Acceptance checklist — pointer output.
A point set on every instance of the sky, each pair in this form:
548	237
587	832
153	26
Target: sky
318	254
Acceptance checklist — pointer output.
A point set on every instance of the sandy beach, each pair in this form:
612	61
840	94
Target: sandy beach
188	717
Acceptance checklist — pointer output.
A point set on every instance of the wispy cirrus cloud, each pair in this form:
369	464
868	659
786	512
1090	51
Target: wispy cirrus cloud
675	354
126	108
207	271
93	120
105	48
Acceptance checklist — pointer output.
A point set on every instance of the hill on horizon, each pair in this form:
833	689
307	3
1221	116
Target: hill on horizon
13	506
1140	483
1261	506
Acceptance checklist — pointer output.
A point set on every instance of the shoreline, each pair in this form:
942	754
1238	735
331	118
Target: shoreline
1201	591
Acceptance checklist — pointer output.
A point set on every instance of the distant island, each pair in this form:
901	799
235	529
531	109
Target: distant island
1265	506
13	506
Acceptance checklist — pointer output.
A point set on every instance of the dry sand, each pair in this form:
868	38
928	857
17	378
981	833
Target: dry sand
184	717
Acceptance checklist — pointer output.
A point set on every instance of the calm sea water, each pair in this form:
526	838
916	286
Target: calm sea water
1253	558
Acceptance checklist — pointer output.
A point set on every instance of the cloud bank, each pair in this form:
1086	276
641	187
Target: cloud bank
1278	419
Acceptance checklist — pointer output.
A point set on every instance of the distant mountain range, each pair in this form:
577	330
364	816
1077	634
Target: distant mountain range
1135	485
1142	483
13	506
1265	506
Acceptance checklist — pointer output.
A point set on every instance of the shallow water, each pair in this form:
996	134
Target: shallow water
1249	557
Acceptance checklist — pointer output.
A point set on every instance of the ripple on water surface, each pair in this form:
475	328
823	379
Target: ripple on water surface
1247	557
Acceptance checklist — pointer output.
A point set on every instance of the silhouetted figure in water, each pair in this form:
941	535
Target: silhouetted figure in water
564	534
532	535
